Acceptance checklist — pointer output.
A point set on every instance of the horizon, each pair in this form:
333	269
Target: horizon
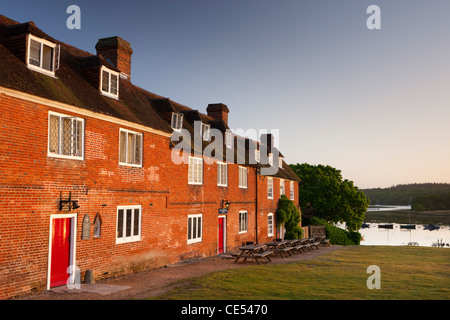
371	103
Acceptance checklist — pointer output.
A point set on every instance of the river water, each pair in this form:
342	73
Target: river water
394	234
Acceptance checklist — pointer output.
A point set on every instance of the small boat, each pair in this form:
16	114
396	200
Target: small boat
386	226
365	225
408	226
430	227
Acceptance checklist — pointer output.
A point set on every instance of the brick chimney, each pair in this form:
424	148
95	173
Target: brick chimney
118	52
218	111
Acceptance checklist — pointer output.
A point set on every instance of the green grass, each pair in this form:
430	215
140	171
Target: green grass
406	273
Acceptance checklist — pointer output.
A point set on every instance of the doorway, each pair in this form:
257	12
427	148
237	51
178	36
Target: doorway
221	242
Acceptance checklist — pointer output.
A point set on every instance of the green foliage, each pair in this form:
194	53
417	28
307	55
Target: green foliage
332	198
288	214
422	196
337	235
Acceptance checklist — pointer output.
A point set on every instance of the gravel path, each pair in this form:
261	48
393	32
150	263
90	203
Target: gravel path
155	282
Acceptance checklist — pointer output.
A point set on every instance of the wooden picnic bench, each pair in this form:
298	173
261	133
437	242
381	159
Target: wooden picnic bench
253	252
280	247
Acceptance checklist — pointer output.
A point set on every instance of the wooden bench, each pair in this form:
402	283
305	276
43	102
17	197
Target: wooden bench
286	249
299	248
315	245
264	254
325	242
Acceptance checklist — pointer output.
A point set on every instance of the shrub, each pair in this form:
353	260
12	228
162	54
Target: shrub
336	235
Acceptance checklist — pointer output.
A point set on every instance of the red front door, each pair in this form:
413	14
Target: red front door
221	235
60	258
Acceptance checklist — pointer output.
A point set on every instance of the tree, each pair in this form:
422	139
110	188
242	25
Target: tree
331	198
288	214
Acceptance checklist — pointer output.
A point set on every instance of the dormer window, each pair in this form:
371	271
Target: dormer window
257	157
109	83
205	131
271	159
43	55
228	139
280	162
177	121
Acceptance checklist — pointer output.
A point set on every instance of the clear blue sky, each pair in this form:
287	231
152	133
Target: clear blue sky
372	103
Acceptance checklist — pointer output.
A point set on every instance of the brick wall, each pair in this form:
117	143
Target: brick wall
31	182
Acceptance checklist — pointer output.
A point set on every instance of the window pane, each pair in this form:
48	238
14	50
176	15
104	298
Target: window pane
199	228
130	146
35	53
128	222
194	227
120	224
122	146
189	228
66	136
54	134
79	138
137	150
105	81
113	84
47	58
136	222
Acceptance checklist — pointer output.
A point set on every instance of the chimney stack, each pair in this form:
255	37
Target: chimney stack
118	52
218	111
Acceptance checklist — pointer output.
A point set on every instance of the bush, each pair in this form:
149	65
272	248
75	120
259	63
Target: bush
288	215
337	235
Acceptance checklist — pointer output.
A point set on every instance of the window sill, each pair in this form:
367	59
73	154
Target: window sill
61	156
43	71
130	165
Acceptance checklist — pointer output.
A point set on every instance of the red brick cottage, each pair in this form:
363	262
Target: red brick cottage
87	176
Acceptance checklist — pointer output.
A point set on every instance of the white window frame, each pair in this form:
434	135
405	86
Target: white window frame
280	162
195	171
60	139
228	139
132	238
282	187
243	177
195	227
206	132
257	156
110	72
177	121
271	159
138	135
291	190
222	174
269	188
55	55
270	224
243	221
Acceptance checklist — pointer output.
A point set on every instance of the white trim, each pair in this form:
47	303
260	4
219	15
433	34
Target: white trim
72	261
195	239
84	112
221	164
246	177
246	222
270	214
131	238
195	182
224	233
142	148
62	156
291	190
42	42
271	179
108	93
282	184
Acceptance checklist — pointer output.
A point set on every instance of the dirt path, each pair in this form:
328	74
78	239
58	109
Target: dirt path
157	281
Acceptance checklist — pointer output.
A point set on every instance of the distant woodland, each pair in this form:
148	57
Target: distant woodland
421	196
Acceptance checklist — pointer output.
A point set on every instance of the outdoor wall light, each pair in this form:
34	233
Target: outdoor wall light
227	204
67	203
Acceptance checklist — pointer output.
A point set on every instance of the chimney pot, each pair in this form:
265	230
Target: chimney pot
218	111
118	52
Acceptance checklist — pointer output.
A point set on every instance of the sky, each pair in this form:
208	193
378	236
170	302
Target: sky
373	103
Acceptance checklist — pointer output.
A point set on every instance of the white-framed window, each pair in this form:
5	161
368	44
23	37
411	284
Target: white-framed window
242	177
269	188
270	225
43	55
128	224
205	131
109	82
280	162
195	170
194	228
282	190
243	221
257	156
228	139
130	148
291	190
271	159
222	174
65	136
177	121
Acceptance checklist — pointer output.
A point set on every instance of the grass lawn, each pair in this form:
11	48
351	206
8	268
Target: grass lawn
406	273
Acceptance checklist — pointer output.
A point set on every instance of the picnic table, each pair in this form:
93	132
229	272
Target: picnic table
253	252
280	247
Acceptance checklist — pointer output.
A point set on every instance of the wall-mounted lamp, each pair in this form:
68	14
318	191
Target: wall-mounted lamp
68	203
226	203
